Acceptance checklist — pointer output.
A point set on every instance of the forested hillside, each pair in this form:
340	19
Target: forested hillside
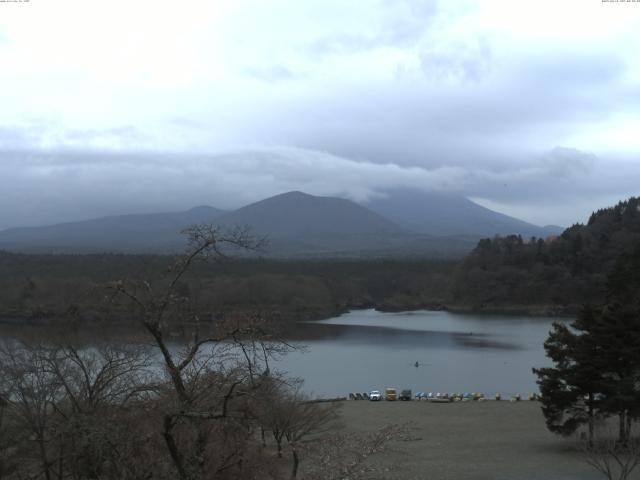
557	273
554	275
36	287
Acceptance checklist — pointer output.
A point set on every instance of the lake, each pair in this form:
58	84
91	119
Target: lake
365	349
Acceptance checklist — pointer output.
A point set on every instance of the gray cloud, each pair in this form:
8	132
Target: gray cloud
465	62
363	95
11	137
533	105
566	162
403	25
485	139
271	74
45	133
115	136
37	188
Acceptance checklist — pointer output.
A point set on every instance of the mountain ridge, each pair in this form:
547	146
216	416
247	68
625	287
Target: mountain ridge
442	214
107	232
297	224
299	213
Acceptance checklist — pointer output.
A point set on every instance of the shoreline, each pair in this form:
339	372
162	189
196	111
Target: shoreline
48	319
507	310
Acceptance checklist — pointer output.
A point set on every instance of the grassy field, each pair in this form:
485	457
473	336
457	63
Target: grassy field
469	440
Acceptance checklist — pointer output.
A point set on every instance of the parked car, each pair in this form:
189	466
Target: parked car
390	394
375	396
405	395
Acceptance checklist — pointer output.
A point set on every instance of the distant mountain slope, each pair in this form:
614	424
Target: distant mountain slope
445	214
141	232
297	214
298	224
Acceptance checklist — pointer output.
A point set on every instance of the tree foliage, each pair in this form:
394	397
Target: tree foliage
41	288
564	271
596	359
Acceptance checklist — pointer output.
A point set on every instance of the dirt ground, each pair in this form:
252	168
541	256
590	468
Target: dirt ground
469	440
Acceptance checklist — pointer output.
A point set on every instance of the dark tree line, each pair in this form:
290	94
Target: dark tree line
565	271
34	288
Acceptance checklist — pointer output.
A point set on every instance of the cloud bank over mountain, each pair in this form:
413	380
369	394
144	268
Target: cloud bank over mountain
37	188
521	105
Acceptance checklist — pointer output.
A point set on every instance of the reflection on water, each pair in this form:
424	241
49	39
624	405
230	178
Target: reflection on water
365	350
394	337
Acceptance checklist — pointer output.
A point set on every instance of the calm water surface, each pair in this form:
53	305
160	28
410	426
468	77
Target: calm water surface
364	350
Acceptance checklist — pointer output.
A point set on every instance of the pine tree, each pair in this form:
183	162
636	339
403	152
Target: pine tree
619	337
597	359
571	391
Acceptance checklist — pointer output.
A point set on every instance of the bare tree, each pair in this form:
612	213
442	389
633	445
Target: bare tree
188	410
69	404
5	434
205	424
100	384
306	420
614	459
31	391
272	413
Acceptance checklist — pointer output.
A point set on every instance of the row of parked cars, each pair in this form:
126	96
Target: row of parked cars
392	394
389	394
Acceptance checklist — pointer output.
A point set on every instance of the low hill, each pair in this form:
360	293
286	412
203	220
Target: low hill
128	233
564	271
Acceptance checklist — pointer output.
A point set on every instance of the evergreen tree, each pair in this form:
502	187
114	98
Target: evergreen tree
597	359
618	333
571	391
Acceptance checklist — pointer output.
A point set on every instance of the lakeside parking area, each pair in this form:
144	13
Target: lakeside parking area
469	440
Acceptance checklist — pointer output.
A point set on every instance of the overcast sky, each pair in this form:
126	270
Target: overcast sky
529	107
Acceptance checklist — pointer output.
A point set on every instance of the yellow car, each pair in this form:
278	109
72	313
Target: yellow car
390	394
